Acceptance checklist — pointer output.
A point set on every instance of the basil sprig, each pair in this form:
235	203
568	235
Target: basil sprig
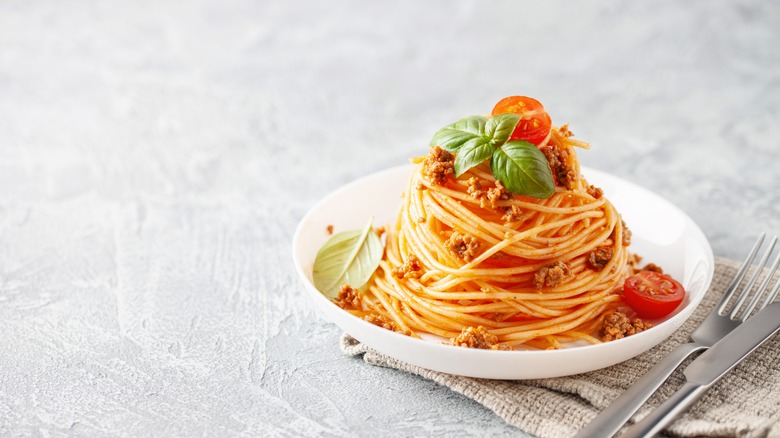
520	166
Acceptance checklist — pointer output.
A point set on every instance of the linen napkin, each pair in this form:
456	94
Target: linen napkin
745	403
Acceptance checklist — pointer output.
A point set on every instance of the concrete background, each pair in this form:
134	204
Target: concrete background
156	156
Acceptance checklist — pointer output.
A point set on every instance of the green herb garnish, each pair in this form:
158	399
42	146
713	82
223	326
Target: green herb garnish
520	166
349	257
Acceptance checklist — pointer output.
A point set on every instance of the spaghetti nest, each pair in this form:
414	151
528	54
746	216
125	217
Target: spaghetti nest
469	261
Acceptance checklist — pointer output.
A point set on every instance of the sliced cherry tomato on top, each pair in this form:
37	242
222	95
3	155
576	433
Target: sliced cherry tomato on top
535	124
652	295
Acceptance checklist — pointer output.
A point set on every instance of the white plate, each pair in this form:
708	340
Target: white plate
662	234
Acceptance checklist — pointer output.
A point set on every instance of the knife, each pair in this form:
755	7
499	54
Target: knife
708	368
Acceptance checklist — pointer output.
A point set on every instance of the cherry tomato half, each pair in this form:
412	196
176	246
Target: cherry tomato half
535	124
652	295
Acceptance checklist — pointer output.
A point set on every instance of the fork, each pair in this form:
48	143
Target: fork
715	326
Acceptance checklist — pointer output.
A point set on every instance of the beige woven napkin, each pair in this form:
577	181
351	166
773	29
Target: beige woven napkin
745	403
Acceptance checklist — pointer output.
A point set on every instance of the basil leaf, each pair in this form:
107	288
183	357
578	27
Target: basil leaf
472	153
348	257
523	169
498	128
453	137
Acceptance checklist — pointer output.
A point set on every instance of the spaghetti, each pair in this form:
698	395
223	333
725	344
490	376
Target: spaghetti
469	261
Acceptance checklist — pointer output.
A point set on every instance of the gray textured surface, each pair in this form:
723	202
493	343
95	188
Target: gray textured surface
156	156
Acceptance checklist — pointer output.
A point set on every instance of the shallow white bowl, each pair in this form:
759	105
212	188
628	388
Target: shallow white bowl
662	234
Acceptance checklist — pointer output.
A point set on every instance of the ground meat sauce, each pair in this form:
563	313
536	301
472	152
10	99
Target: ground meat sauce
626	234
599	258
412	268
511	213
381	321
594	191
348	297
552	275
498	193
564	131
491	197
471	337
564	174
438	165
617	325
463	246
633	262
475	189
653	267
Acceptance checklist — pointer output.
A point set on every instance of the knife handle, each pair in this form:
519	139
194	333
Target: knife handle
614	416
670	409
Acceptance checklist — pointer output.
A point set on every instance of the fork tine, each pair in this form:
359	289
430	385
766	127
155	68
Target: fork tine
740	274
772	295
762	287
749	286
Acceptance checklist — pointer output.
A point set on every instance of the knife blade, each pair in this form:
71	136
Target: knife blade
708	368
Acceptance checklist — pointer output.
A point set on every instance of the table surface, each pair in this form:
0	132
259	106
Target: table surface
156	156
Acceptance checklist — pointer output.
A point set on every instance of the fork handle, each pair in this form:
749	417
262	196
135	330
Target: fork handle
670	409
614	416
